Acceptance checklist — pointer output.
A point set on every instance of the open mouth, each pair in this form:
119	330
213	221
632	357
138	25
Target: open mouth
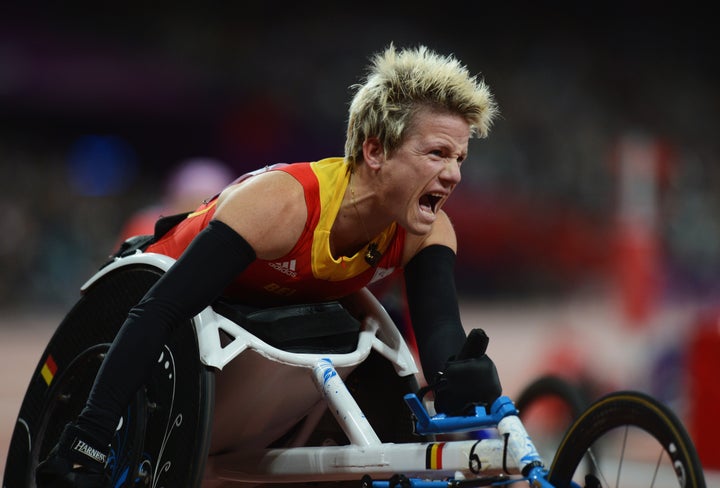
429	202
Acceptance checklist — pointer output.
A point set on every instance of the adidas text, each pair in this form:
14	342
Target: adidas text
286	267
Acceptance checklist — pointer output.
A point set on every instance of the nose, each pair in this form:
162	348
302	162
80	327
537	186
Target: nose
451	172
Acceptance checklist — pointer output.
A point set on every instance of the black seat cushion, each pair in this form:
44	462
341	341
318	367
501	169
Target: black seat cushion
325	327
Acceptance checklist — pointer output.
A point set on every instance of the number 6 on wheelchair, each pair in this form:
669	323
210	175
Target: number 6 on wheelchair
310	394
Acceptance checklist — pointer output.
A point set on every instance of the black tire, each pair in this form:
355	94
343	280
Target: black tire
551	386
548	406
627	425
165	433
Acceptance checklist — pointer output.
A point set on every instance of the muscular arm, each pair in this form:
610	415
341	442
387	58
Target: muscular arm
262	218
268	210
203	271
432	297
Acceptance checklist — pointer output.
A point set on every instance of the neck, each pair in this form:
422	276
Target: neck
353	234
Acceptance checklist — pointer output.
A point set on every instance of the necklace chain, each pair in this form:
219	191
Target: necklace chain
357	211
372	253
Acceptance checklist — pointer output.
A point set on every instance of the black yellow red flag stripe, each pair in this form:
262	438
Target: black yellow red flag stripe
48	370
433	455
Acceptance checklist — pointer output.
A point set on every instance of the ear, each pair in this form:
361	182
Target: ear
373	152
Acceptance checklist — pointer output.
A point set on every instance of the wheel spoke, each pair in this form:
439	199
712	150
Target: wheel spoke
657	467
622	456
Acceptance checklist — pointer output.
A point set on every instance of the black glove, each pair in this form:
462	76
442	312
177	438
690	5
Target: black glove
77	461
469	378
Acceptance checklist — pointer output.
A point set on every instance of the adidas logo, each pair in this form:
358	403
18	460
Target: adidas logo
286	267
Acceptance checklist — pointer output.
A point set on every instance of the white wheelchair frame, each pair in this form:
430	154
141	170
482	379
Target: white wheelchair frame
262	391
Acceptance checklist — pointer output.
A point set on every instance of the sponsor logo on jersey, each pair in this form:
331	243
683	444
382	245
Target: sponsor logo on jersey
286	267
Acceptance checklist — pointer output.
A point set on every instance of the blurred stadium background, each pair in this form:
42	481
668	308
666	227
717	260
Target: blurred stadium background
589	220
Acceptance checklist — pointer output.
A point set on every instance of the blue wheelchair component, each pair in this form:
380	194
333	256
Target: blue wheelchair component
414	483
441	423
422	483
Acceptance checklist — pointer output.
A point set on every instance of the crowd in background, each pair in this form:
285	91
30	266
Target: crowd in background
97	110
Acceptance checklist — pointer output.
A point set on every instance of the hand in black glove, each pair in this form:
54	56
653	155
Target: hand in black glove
77	461
469	378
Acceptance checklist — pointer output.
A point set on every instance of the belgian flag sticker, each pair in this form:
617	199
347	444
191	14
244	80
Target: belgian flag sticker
49	369
433	455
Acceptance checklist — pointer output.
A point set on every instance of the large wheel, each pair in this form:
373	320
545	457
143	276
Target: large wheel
163	438
642	443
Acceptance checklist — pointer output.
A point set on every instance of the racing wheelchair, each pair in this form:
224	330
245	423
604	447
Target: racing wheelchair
314	394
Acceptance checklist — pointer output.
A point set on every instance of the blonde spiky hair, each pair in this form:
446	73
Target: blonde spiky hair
399	83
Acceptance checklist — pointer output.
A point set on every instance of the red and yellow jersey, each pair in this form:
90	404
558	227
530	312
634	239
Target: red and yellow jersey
309	272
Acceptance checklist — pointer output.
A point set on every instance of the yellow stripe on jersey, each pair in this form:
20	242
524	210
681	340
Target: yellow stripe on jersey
204	210
333	176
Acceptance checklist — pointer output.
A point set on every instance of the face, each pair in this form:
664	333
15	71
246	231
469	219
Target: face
422	173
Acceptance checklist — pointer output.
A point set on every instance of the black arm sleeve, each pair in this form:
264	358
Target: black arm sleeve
433	306
194	281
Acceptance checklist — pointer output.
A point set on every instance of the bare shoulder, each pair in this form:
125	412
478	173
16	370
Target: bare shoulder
268	182
442	233
268	210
